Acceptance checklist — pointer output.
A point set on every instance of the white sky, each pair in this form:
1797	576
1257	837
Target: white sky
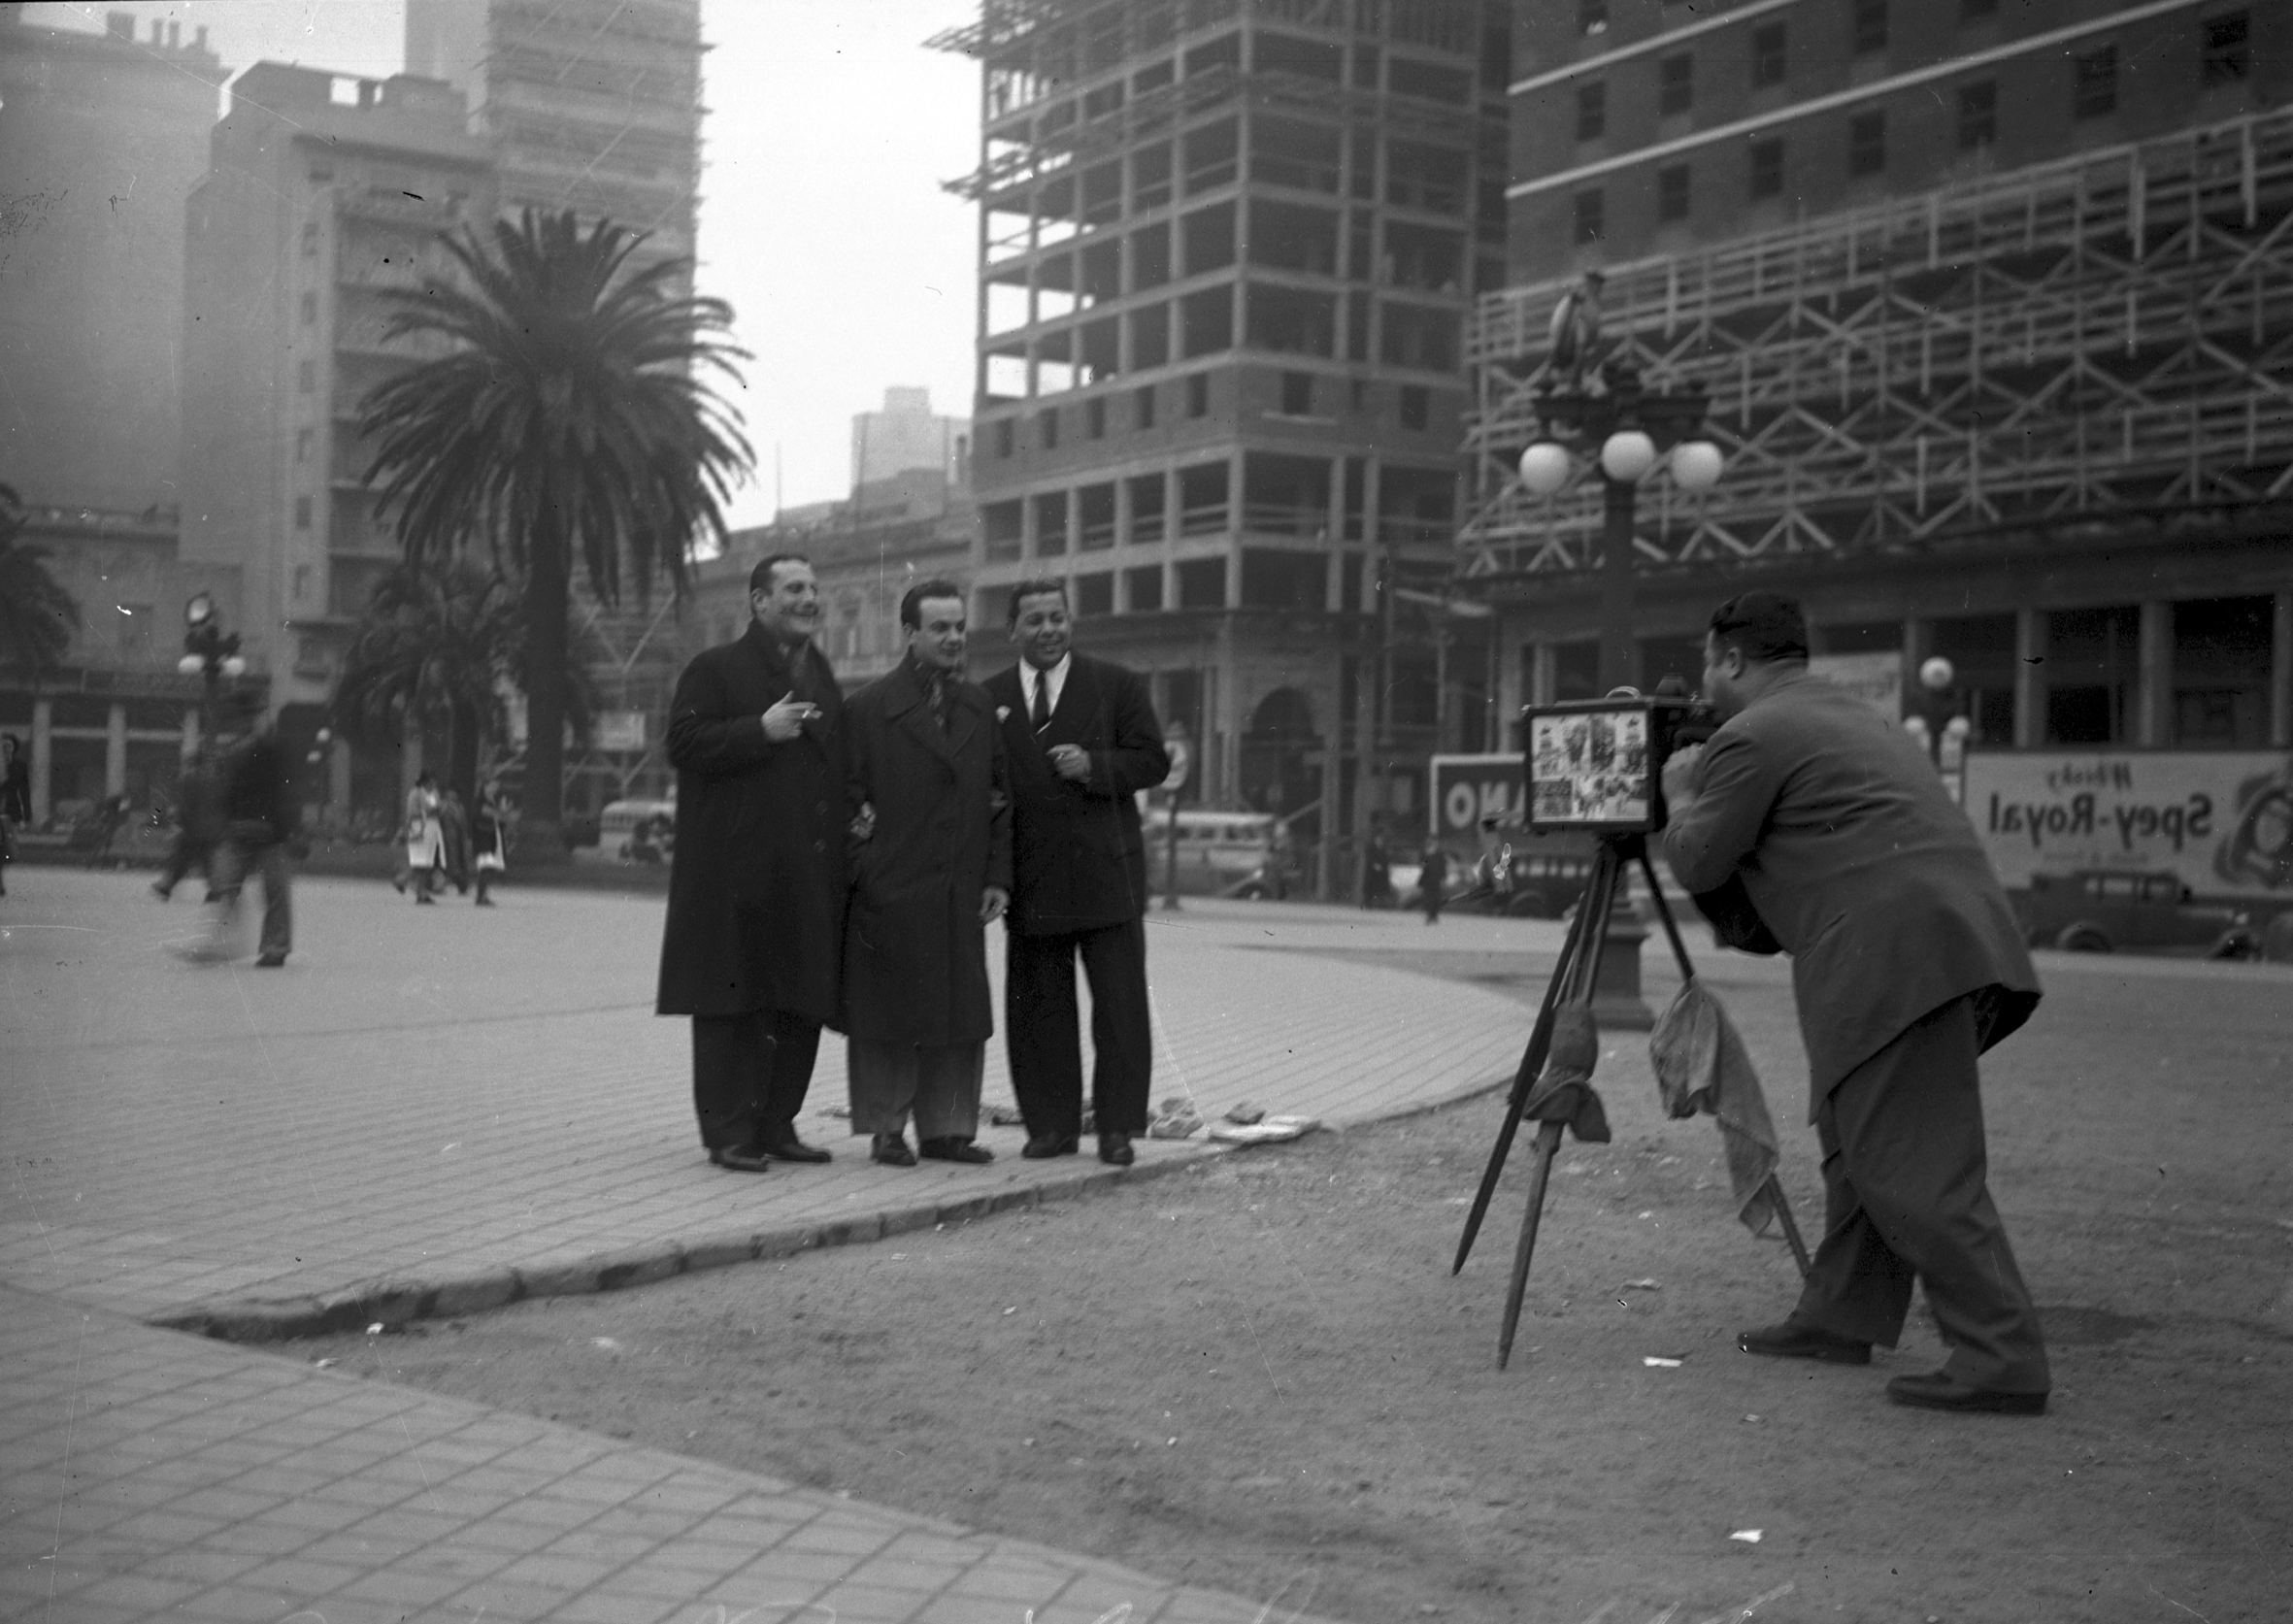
829	128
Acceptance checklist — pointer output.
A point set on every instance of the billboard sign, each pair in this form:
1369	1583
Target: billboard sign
2222	820
1467	788
1875	679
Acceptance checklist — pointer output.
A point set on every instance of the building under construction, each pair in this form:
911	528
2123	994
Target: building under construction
1227	251
1997	337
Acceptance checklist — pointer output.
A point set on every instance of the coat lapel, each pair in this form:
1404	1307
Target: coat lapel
914	713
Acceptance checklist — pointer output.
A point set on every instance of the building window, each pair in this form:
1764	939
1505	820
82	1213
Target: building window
1094	417
1416	405
1871	27
1142	408
1767	168
311	240
306	378
1676	84
1979	116
2228	58
1297	394
1592	17
302	513
1005	438
304	439
1198	395
310	310
1768	58
1591	215
1046	428
1866	143
1592	111
1145	589
1201	583
1094	594
1672	192
2094	81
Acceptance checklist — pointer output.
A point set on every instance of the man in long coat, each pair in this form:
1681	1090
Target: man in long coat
925	777
756	886
1080	739
1906	964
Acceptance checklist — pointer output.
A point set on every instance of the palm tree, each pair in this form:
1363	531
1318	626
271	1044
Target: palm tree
37	616
436	646
572	418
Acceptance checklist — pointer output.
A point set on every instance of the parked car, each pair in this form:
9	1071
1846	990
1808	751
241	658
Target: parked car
2101	911
1220	854
636	831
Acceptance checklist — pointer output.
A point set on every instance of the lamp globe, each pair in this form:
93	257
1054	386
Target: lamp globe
1696	465
1935	674
1627	455
1543	468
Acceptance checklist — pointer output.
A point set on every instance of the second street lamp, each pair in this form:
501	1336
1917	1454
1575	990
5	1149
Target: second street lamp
211	652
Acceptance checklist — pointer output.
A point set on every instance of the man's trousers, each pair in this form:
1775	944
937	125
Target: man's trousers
1905	1194
749	1077
233	862
938	1083
1042	1030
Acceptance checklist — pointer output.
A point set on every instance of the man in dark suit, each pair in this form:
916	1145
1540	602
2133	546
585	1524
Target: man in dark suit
1907	963
924	769
1080	741
756	887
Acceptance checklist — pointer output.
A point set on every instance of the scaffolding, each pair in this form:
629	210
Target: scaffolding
2104	337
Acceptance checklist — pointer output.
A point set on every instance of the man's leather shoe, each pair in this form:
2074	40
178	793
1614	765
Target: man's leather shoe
1040	1148
892	1149
1114	1149
1797	1339
952	1150
270	961
1940	1390
794	1149
739	1161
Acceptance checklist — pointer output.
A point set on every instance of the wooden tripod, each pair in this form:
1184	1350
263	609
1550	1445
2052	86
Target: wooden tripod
1575	980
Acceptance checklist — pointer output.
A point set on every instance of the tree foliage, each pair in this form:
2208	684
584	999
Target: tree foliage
37	615
573	416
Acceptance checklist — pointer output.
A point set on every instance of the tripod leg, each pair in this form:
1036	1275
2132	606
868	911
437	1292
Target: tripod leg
1547	1142
1524	1081
1791	1228
1679	949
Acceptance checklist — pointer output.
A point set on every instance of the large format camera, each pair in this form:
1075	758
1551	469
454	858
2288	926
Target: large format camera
1598	764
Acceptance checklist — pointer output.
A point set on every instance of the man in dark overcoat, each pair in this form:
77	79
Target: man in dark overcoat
1080	741
756	884
924	767
1906	964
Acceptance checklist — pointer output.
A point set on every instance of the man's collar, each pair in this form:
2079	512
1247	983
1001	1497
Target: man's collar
1056	673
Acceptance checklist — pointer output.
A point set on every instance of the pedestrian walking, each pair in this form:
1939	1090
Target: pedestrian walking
924	769
1080	742
754	935
199	826
1433	879
1906	964
424	841
261	818
16	800
1377	872
454	839
491	837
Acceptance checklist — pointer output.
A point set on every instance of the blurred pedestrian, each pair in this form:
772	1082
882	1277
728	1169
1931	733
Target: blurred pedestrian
424	842
490	835
261	818
1080	742
933	864
752	947
16	800
199	826
1433	880
454	839
1377	871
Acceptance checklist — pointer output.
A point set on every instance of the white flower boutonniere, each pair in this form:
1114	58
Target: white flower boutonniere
1003	712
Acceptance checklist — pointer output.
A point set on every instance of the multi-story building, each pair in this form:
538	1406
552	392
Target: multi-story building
1227	248
102	138
1993	305
326	195
908	438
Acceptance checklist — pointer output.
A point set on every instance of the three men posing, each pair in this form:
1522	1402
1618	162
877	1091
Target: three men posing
838	865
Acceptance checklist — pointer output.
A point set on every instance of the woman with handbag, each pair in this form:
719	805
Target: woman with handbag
425	840
491	838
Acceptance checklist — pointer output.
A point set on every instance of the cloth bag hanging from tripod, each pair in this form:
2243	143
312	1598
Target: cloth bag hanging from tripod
1564	1091
1700	1064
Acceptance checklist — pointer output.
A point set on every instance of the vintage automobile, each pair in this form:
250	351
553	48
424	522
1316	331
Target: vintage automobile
2101	911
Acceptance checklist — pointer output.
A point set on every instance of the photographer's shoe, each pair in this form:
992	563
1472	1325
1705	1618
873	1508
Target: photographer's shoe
1794	1339
1940	1390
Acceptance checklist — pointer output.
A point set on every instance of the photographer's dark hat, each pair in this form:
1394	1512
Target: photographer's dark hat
1765	625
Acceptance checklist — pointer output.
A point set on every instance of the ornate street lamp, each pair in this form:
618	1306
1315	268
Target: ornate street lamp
211	652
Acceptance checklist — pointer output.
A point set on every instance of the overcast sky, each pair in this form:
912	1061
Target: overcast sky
828	131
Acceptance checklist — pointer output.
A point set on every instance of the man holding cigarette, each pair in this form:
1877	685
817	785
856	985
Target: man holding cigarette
756	886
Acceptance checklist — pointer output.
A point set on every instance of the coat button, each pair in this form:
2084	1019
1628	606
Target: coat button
819	846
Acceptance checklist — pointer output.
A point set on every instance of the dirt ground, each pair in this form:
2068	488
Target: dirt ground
1260	1374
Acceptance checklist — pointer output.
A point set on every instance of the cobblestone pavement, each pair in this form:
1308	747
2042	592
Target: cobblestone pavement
430	1109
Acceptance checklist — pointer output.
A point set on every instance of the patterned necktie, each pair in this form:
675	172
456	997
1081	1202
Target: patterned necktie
1040	715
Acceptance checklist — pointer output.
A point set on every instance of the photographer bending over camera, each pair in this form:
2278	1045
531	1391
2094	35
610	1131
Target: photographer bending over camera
1906	964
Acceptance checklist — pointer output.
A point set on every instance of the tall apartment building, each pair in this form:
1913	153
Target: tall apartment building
1227	248
102	138
1994	306
325	194
909	455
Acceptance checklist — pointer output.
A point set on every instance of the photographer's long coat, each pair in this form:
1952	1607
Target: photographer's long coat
756	887
1860	864
915	951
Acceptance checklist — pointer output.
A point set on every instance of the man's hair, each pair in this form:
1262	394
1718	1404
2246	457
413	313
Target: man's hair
1040	586
760	579
1762	626
911	600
